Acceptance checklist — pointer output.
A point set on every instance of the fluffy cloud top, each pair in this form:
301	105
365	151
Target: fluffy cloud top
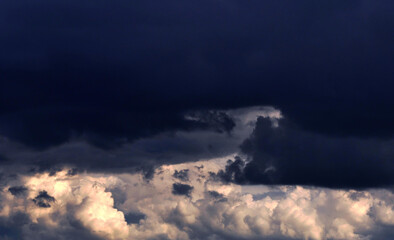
116	88
98	204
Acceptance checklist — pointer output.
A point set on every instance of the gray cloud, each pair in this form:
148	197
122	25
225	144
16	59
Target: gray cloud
43	200
17	190
289	155
182	189
182	175
143	154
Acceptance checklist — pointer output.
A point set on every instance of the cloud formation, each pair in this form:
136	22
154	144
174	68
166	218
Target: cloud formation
100	204
63	205
133	71
117	118
287	154
144	154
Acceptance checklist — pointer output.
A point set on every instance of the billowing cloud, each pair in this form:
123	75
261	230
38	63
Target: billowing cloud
62	202
125	206
117	119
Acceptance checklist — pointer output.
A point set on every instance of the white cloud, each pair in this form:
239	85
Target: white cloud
213	210
85	196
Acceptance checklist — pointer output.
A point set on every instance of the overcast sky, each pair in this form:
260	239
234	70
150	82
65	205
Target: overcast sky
210	119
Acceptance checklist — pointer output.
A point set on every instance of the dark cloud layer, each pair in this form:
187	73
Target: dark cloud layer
289	155
116	71
125	86
116	75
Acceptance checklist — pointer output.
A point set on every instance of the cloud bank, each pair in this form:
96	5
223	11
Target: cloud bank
98	205
108	109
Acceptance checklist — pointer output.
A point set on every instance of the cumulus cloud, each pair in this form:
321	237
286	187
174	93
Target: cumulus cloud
120	128
126	206
61	201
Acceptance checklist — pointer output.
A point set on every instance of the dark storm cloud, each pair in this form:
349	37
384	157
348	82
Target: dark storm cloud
182	189
102	127
142	155
289	155
112	73
115	70
216	120
2	158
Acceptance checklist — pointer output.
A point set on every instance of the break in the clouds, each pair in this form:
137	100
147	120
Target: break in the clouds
126	206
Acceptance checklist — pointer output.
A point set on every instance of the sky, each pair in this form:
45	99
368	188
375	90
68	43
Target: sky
194	120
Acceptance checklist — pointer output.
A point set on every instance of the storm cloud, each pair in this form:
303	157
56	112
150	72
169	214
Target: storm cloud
114	72
144	154
117	119
286	154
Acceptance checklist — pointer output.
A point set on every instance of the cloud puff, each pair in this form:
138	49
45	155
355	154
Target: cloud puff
62	201
96	204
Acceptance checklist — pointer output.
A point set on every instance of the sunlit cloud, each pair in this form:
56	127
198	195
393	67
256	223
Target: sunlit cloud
101	203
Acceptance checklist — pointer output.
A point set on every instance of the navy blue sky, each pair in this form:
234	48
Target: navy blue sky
112	72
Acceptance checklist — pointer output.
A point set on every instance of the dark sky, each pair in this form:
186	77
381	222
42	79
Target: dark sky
113	72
